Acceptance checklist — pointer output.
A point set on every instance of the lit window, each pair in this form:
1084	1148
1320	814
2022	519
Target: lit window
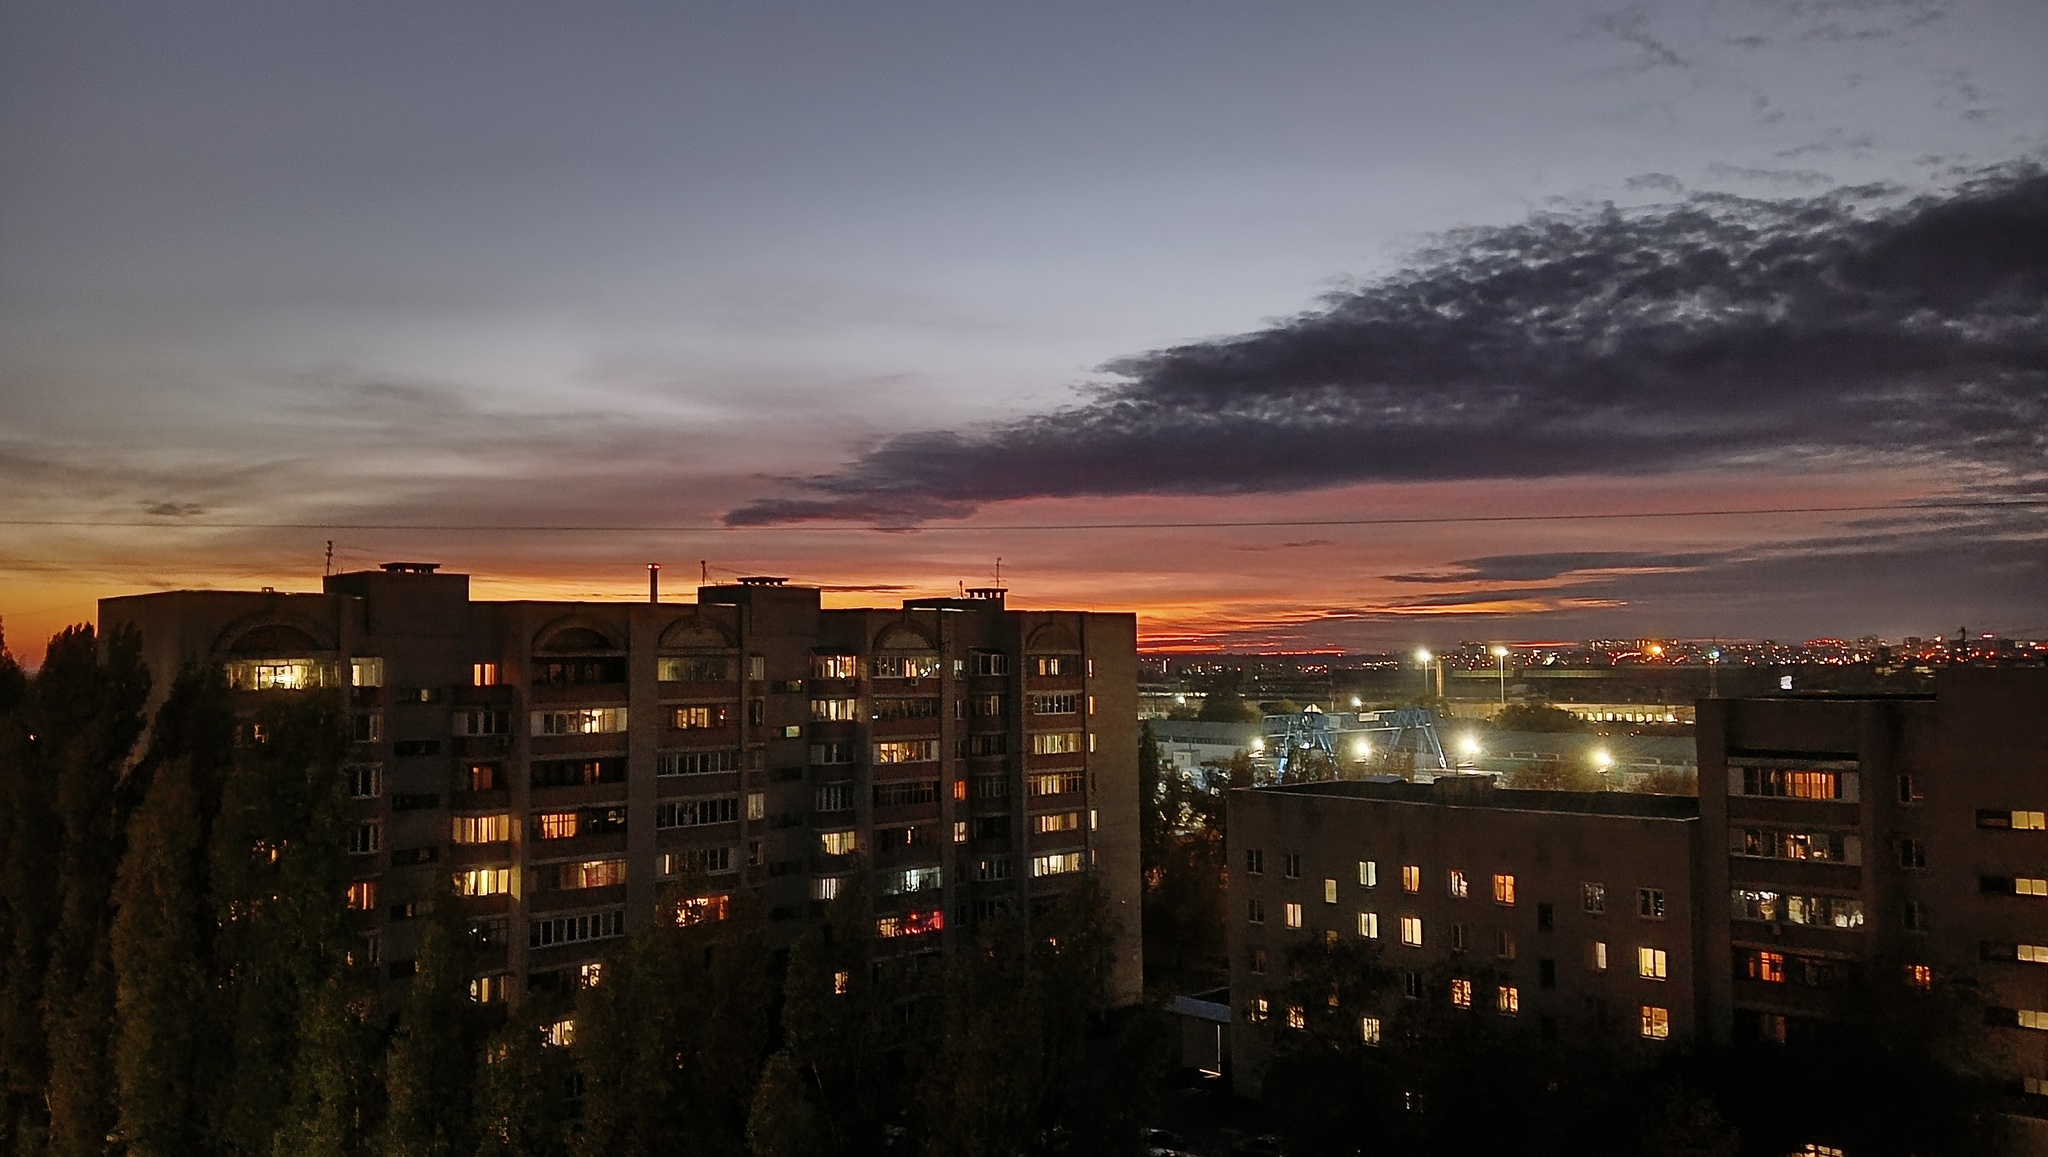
835	666
2034	953
907	751
1411	931
841	982
1504	890
2029	886
835	710
1650	963
1593	898
1458	887
1293	915
560	1034
1261	1008
590	974
2033	1018
580	721
1368	874
1814	1149
1768	967
1369	1030
1056	822
483	882
1411	878
362	896
1596	956
554	825
1461	993
491	829
1062	863
841	843
757	805
483	674
959	831
489	989
1656	1022
1507	1000
1056	743
702	909
2030	821
1369	925
1329	891
1295	1018
1920	976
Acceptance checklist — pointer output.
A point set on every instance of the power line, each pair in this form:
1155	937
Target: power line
721	528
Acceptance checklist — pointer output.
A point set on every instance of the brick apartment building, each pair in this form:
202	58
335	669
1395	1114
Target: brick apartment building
1576	911
1877	845
561	762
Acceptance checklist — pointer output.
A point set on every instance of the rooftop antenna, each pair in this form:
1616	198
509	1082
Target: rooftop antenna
999	570
330	558
963	587
653	582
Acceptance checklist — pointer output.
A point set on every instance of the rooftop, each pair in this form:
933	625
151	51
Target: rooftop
1477	791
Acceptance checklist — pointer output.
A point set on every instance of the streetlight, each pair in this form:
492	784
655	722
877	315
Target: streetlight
1423	659
1501	653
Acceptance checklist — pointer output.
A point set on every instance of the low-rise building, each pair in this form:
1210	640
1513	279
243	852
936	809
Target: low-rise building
1577	908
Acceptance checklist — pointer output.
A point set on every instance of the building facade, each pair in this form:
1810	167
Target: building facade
1572	912
561	764
1865	848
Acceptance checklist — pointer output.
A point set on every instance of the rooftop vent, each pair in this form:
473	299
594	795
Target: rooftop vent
763	580
411	567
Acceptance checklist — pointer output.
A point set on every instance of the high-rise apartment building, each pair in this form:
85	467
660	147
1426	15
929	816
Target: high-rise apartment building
1570	913
1862	848
559	763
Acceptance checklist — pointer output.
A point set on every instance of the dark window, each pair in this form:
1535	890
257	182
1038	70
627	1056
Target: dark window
988	745
1546	974
415	801
1254	861
698	763
577	772
556	672
689	813
1546	918
1912	852
907	794
416	747
1290	865
896	707
990	827
1909	790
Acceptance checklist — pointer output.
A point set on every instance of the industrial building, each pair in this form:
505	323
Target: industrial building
560	764
1572	912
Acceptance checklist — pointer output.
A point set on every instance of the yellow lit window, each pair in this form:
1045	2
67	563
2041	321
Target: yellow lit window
1812	1149
1056	822
1656	1022
2029	821
1461	993
554	825
1504	890
362	896
837	843
1293	915
1920	976
841	983
835	710
1650	963
483	674
1507	1000
590	975
2034	953
490	989
835	666
594	874
1411	877
2033	1018
907	751
1369	1029
2030	886
1368	873
1060	863
491	829
1458	887
1261	1008
1369	925
561	1034
1329	891
1056	743
1596	956
701	909
483	882
1295	1018
1411	931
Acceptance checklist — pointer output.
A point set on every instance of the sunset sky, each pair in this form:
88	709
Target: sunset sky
539	278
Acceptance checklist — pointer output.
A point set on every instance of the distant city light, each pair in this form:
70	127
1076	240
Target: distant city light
1655	648
1601	759
1422	655
1258	745
1500	652
1469	746
1364	749
1357	702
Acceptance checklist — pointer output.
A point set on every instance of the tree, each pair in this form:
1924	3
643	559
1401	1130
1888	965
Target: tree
334	1088
522	1101
161	985
784	1120
1160	795
431	1067
1223	703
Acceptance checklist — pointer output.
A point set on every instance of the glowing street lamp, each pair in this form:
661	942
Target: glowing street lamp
1602	760
1501	653
1363	750
1423	659
1469	746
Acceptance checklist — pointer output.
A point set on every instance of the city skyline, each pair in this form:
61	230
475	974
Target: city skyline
276	278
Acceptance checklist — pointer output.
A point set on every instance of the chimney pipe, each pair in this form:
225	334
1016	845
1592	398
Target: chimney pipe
653	582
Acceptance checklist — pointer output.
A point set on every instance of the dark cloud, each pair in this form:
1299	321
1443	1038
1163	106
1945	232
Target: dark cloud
174	509
1538	567
1662	182
1847	328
